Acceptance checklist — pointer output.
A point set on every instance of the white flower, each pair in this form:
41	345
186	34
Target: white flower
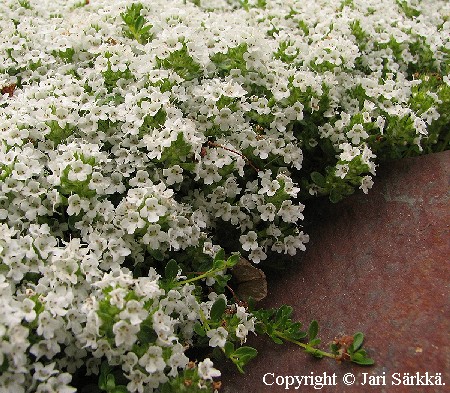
154	236
48	325
76	204
290	212
153	360
248	241
21	171
268	186
152	210
217	337
28	309
348	152
79	171
206	370
133	221
241	332
177	360
134	312
267	211
137	380
59	383
125	333
257	255
173	174
357	133
366	184
42	373
341	170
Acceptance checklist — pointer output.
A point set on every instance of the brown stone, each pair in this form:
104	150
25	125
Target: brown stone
376	263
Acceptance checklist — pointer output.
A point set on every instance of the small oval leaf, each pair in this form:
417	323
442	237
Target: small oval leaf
217	309
358	339
171	270
313	330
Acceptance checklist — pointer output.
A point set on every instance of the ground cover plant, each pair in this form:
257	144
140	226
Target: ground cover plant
145	147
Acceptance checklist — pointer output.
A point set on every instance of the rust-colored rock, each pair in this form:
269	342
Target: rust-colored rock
376	263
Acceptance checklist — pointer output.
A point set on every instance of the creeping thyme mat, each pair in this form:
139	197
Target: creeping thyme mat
145	147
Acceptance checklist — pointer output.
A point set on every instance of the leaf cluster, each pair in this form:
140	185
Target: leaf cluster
136	27
278	325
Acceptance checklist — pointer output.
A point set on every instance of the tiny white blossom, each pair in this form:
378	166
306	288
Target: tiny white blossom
125	333
217	337
206	370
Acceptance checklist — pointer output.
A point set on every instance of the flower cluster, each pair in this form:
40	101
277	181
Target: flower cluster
135	133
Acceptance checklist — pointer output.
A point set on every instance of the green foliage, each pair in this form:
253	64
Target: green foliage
359	33
4	366
25	4
57	133
232	59
303	26
218	309
278	325
337	188
136	27
182	63
246	5
281	52
240	356
108	380
171	270
66	55
350	348
111	77
5	171
346	3
409	11
81	3
176	153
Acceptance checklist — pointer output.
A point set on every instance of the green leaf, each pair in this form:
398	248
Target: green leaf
147	334
171	270
157	254
110	382
364	362
228	348
313	330
362	359
276	339
4	366
219	264
242	356
335	196
217	309
358	339
315	342
120	389
233	260
199	329
105	370
220	256
139	23
145	29
318	179
245	353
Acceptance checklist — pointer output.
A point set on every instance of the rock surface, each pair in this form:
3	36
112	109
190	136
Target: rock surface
376	263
